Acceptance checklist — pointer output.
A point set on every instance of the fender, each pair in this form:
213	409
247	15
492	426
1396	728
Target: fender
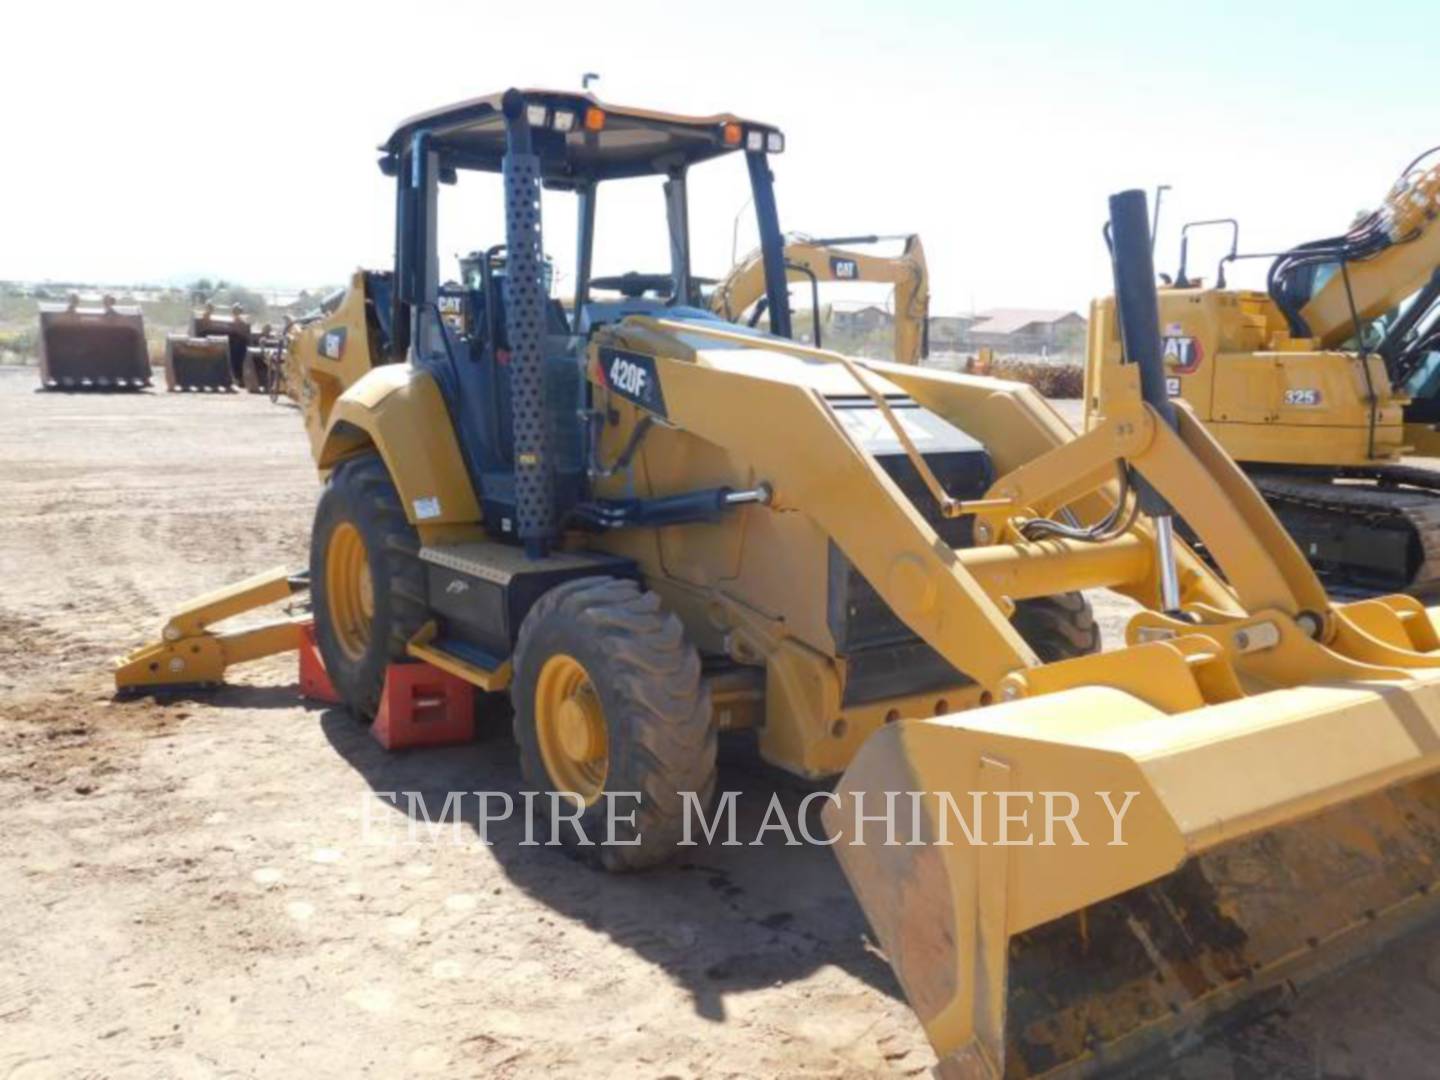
399	412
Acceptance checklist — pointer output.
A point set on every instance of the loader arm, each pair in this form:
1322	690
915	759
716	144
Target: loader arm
1264	731
809	259
1280	755
792	439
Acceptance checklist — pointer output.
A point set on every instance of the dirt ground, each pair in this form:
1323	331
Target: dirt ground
215	885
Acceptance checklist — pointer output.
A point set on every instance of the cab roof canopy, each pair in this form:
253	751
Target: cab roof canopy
577	137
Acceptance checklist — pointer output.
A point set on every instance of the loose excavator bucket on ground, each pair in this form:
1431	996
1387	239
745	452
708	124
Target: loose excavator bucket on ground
234	327
262	361
197	363
92	348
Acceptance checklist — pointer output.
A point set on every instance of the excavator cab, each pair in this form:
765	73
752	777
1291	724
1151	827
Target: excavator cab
1316	386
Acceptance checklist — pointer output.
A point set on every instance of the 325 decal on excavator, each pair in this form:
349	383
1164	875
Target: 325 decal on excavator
632	376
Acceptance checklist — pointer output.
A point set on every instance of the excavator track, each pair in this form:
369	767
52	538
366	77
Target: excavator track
1365	530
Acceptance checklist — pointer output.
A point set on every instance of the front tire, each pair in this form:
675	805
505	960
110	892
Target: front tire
1058	627
366	582
608	699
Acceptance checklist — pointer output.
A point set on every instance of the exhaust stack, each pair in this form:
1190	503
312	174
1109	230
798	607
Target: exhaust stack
525	298
1138	312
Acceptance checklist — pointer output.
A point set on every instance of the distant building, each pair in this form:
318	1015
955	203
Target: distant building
948	332
861	319
1027	330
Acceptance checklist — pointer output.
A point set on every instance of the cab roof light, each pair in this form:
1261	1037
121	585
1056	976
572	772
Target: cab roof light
775	143
563	120
754	141
535	115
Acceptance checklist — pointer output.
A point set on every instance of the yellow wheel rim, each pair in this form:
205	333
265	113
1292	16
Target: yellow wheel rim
349	590
570	727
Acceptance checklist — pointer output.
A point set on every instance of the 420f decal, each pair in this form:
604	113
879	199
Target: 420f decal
633	376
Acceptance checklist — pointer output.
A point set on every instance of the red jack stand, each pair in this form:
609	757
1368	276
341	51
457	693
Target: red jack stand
315	684
424	706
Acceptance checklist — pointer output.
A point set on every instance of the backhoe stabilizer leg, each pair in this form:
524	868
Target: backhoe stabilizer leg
190	653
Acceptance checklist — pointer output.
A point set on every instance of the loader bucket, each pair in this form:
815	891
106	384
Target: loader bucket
1269	839
197	363
93	348
234	328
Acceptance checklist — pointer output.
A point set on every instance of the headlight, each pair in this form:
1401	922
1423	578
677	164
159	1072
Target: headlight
564	120
535	115
754	141
775	142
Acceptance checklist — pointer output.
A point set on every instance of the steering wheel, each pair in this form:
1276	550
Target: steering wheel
632	285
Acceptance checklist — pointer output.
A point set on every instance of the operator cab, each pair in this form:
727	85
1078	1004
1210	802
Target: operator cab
508	356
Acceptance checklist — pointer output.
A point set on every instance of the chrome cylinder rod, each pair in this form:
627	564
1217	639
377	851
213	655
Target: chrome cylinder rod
1165	559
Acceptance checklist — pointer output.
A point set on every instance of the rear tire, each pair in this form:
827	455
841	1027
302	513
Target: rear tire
1058	627
616	651
366	581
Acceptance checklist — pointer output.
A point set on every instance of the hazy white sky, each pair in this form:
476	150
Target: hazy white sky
150	141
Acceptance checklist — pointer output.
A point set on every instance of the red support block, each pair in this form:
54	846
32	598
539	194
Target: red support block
315	684
424	706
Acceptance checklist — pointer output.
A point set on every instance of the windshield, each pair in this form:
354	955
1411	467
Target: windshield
632	234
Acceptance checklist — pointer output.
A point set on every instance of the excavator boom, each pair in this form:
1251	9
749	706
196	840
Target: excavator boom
812	260
1381	261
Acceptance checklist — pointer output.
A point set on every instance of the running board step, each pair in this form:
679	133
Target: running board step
462	660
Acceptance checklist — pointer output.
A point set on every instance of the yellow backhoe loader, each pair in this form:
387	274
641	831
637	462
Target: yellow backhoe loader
818	261
90	348
649	525
1322	384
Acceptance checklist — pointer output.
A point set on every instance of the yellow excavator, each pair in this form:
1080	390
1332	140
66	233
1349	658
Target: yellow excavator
648	525
1322	384
741	294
